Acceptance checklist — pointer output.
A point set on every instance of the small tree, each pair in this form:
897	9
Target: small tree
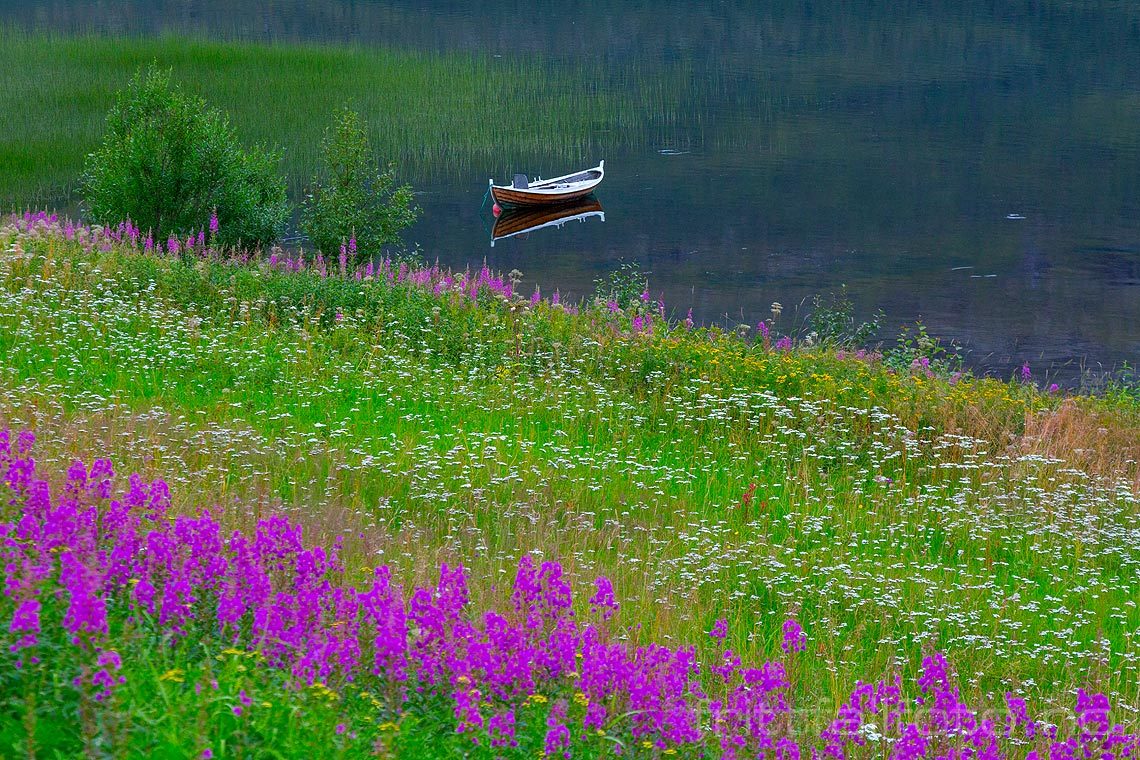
355	199
168	162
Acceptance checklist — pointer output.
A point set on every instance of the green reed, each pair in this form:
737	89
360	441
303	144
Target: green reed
434	114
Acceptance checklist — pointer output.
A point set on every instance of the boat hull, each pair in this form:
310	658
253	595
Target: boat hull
510	197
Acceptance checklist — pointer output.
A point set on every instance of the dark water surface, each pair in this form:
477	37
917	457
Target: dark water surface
973	164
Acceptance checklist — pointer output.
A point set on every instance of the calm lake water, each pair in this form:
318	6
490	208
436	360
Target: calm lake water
975	165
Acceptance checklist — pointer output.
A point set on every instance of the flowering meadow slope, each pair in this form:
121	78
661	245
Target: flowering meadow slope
100	584
411	417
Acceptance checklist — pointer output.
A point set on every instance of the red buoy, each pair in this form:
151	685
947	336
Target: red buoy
496	210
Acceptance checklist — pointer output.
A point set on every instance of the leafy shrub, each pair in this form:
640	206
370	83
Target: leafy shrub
832	321
915	349
168	162
623	286
355	200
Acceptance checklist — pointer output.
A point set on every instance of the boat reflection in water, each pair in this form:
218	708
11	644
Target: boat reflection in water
519	220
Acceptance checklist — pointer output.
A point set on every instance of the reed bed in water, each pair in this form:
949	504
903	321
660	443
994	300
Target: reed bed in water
425	416
434	114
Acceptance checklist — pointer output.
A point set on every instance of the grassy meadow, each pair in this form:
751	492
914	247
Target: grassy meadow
420	419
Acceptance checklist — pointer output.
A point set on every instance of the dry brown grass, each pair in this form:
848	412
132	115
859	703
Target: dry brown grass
1105	443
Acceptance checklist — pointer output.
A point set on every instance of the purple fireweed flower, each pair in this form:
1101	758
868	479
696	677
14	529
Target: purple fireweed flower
913	744
26	618
784	343
595	716
688	323
720	629
467	714
214	226
110	659
794	638
501	727
1092	714
1054	388
787	749
728	666
763	329
103	679
1026	375
26	622
87	609
1018	717
557	740
603	598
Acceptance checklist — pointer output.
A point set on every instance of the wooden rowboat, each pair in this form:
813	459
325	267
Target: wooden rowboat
545	192
518	221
